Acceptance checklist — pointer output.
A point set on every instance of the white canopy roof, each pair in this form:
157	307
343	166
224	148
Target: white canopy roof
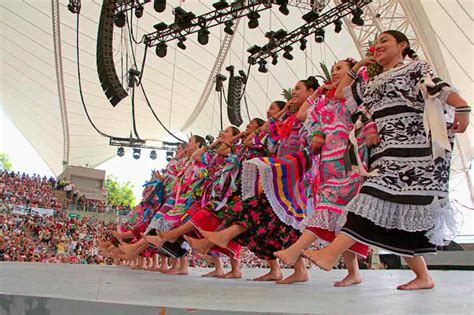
57	127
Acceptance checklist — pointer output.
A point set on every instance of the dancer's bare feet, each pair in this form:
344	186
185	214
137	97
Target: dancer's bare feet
214	274
177	272
288	256
348	281
156	240
216	238
298	276
233	274
418	283
201	246
322	261
271	276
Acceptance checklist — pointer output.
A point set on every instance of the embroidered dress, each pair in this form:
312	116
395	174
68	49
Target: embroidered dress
332	187
406	209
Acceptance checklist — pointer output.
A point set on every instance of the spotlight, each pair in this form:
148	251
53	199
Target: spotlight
319	35
159	5
183	18
262	66
121	151
287	55
169	155
357	17
222	4
337	26
303	43
120	19
280	34
153	155
161	50
310	16
274	59
253	19
228	28
254	49
181	44
160	26
139	11
203	36
283	7
136	153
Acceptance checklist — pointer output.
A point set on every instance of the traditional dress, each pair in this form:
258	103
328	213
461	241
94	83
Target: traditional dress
406	209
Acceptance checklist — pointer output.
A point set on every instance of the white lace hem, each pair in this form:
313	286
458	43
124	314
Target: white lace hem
438	218
323	219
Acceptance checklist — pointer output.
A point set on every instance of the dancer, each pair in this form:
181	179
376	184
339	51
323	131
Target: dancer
333	187
406	209
256	225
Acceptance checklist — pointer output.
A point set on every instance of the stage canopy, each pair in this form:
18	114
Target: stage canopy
39	76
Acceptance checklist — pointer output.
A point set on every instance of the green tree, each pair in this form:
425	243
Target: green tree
5	163
119	193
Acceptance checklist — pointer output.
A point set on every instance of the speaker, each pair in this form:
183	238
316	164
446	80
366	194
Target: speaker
109	80
234	95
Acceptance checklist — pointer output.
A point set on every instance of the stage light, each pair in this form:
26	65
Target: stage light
303	43
319	35
139	11
161	50
120	19
121	151
310	16
181	44
337	26
287	55
136	153
153	155
220	5
280	34
254	49
253	19
357	17
182	18
159	5
262	66
274	59
203	36
283	7
228	28
160	26
169	155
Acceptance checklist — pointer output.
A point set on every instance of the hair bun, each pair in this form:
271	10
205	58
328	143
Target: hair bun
313	81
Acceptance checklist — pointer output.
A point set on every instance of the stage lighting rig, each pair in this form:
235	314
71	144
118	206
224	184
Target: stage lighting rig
74	6
222	4
357	17
262	66
274	59
338	26
319	36
228	28
159	5
283	6
203	36
153	155
316	26
303	43
181	44
136	153
161	50
311	16
253	19
120	19
182	18
139	11
120	151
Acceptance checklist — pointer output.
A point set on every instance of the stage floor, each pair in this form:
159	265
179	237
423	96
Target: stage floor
80	289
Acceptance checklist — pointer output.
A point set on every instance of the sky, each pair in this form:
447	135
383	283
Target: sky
25	159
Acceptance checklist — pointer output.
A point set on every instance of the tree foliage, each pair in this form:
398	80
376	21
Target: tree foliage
119	193
5	163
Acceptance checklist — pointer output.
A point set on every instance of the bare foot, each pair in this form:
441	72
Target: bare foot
271	276
156	240
287	256
295	277
216	238
418	284
177	272
348	281
233	274
201	246
214	274
319	260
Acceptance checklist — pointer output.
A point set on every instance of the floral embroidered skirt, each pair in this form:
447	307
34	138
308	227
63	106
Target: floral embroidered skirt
265	233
